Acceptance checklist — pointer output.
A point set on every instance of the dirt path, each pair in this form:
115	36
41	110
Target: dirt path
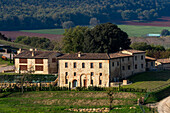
6	68
164	105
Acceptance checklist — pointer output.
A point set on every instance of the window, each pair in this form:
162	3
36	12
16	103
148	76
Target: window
112	64
128	67
74	65
74	73
100	74
141	65
136	66
123	59
23	67
92	82
123	67
38	61
100	82
66	81
38	68
151	63
53	60
83	65
91	65
92	73
117	63
142	57
100	65
128	58
66	65
135	57
22	60
66	74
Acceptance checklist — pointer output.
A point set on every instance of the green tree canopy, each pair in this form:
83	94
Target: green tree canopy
103	38
165	32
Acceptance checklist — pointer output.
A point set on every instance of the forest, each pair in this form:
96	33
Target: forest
43	14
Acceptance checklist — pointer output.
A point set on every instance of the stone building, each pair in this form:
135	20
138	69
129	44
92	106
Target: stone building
150	63
163	64
41	62
99	69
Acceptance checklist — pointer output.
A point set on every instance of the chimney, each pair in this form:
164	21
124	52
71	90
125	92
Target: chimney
79	54
33	53
19	51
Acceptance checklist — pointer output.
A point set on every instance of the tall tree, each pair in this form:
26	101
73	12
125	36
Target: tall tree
105	38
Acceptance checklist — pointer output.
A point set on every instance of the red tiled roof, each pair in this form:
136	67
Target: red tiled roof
149	58
37	54
164	61
134	51
93	56
118	55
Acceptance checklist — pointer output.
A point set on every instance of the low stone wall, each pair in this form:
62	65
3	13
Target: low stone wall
4	85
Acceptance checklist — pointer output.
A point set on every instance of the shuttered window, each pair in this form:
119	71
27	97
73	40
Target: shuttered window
23	67
38	68
22	60
38	61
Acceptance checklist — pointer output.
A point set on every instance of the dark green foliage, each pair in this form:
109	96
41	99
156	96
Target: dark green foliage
2	37
36	14
43	43
103	38
165	32
67	25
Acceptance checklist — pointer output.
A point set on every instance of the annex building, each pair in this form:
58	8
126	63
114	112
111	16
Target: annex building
83	69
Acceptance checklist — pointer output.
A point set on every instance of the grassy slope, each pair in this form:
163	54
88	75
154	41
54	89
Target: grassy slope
150	80
17	45
132	30
57	101
6	63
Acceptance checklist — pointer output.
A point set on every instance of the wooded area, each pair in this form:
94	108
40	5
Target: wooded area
39	14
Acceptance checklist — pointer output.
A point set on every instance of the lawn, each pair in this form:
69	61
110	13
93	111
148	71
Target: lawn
5	63
132	30
150	80
46	31
57	101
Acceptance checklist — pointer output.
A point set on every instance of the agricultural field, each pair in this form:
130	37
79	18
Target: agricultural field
149	80
58	101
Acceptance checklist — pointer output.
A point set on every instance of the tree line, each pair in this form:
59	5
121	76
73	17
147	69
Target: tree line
39	14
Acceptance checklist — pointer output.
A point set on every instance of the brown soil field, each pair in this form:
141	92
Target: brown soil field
14	34
162	22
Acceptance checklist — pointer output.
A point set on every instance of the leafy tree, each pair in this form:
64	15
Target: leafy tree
165	32
68	24
73	39
105	38
141	46
2	37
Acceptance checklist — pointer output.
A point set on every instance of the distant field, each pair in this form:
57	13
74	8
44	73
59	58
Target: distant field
141	31
132	30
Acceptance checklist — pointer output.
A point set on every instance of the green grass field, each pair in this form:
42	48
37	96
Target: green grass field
58	101
132	30
149	80
5	63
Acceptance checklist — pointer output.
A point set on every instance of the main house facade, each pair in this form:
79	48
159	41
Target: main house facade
82	69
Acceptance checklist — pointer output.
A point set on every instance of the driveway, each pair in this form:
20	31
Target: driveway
6	68
164	105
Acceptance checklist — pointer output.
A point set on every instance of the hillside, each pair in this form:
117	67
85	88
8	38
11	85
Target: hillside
41	14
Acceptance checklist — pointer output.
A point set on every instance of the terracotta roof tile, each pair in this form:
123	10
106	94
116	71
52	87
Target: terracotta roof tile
37	54
164	61
149	58
118	55
94	56
134	51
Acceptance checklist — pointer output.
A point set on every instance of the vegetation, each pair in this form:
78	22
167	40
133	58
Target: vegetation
103	38
21	14
36	42
165	32
57	101
149	80
5	62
